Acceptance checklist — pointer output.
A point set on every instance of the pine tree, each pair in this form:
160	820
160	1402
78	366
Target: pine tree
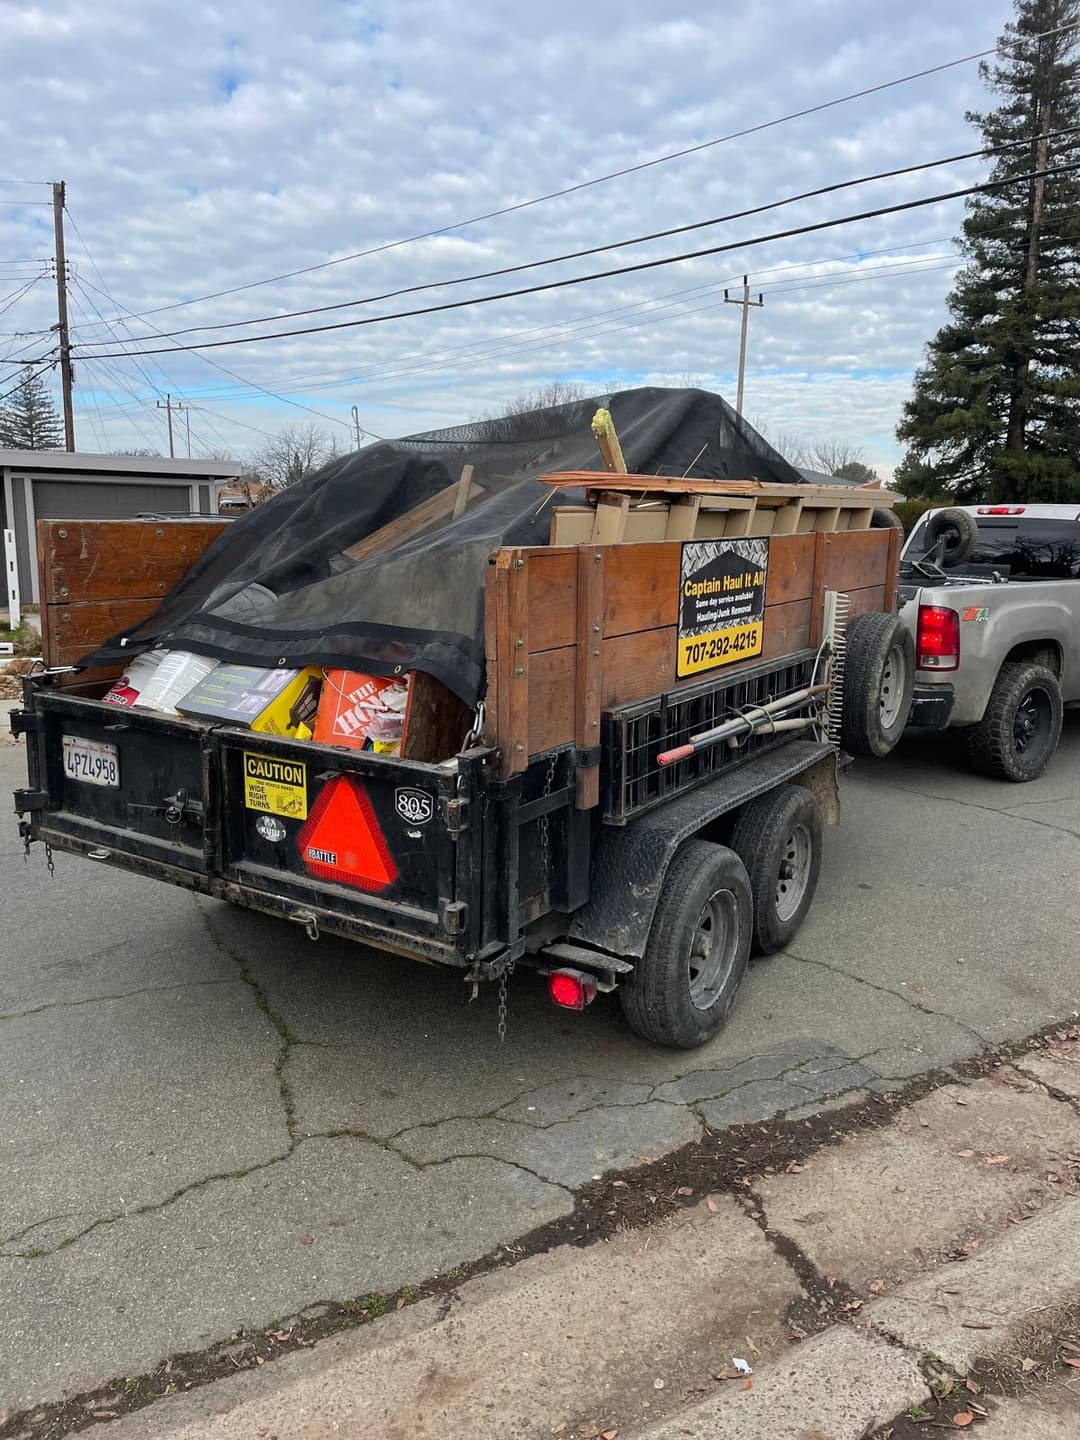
995	412
28	418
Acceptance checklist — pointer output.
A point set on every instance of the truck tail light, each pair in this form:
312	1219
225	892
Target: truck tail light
1000	510
571	989
937	644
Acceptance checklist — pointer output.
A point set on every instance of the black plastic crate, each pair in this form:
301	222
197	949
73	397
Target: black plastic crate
632	779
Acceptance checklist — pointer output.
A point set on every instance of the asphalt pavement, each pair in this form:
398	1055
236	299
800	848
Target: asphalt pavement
212	1123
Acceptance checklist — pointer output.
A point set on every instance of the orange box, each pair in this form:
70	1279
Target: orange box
355	709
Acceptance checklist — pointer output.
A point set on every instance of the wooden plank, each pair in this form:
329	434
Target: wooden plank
86	560
512	638
464	486
817	590
791	569
435	508
588	668
787	629
44	572
552	597
607	441
601	480
892	567
856	559
74	630
551	708
571	524
638	665
641	587
872	597
610	520
682	517
491	655
438	720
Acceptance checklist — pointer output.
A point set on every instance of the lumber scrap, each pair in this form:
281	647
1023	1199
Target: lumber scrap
436	507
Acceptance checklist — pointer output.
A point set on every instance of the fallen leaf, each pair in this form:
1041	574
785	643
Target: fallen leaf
608	1434
973	1386
965	1154
748	1384
997	1159
620	1183
684	1190
560	1429
712	1204
876	1286
399	1304
924	1122
965	1417
854	1305
728	1373
1027	1365
280	1334
259	1360
307	1239
1071	1360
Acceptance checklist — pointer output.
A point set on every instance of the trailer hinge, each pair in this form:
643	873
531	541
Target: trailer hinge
457	816
24	722
28	800
453	915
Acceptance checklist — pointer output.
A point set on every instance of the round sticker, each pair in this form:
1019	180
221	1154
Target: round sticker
270	828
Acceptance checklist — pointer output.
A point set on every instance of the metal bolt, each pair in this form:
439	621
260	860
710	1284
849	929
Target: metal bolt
64	590
594	724
519	669
597	558
596	652
62	533
519	564
519	746
596	629
518	643
66	616
158	531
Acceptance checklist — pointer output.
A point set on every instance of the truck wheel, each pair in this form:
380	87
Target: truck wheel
1022	725
879	677
961	532
680	991
882	519
778	839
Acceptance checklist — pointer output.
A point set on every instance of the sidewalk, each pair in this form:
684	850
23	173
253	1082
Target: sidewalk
896	1278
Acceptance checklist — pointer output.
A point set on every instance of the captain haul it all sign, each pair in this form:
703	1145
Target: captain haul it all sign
721	603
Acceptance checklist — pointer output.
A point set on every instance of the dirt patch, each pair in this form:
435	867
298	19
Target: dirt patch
727	1162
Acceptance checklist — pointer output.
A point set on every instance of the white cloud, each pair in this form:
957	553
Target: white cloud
205	147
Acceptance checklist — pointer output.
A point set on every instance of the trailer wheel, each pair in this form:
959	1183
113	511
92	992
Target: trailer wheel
1022	725
778	839
961	532
879	677
680	991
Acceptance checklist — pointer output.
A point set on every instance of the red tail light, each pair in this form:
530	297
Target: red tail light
1000	510
571	989
937	644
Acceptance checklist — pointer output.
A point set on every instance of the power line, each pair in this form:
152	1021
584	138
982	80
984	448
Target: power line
601	249
635	268
601	179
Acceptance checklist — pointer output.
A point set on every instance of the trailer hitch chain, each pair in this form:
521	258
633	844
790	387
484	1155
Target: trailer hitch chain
309	920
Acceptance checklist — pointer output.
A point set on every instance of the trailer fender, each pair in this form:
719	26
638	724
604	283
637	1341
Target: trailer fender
629	862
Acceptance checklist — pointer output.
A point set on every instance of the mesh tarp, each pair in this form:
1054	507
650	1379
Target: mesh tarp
277	588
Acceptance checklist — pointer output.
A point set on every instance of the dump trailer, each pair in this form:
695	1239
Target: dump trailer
636	804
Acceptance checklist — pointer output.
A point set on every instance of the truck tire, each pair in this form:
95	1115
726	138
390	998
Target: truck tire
879	677
1021	727
680	991
881	519
778	839
961	532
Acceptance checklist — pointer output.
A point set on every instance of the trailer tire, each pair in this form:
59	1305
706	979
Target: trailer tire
1021	726
778	839
961	532
882	519
680	991
879	678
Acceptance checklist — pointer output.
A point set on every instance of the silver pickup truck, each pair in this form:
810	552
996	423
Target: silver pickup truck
991	597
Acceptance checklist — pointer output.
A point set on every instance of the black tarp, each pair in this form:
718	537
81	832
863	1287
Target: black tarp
277	589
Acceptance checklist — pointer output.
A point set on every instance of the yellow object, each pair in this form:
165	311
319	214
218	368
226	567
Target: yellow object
302	732
603	429
275	719
278	787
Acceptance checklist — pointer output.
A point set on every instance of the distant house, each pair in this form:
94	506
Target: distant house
58	485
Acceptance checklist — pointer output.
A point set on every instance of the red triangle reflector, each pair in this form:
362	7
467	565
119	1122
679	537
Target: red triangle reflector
341	839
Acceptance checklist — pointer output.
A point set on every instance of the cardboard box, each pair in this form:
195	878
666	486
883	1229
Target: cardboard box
273	702
364	712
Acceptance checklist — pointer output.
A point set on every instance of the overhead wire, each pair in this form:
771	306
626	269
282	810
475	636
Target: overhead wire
610	175
635	268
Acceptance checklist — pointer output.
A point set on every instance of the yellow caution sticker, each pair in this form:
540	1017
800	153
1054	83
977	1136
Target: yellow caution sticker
277	787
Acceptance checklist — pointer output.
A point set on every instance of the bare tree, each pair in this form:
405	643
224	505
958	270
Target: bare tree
834	456
555	392
295	452
791	445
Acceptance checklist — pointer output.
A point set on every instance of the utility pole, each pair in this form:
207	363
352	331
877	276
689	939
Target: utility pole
356	424
62	314
187	424
169	406
746	303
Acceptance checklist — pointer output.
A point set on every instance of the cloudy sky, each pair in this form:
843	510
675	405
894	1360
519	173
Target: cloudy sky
207	147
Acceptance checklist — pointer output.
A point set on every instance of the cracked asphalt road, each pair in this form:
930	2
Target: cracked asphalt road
211	1123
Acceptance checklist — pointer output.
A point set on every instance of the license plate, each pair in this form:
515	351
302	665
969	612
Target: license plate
92	761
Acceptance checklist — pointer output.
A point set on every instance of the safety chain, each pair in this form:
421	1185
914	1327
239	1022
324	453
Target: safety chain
49	860
545	848
507	972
